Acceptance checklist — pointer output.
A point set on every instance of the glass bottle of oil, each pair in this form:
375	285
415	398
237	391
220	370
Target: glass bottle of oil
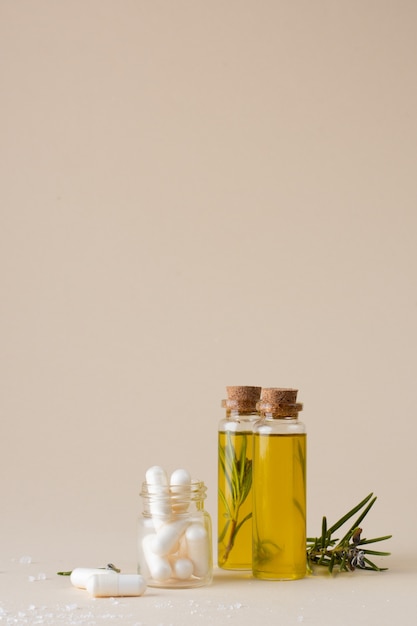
235	478
279	487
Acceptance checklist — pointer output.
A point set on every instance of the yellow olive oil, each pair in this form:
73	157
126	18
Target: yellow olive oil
235	500
279	506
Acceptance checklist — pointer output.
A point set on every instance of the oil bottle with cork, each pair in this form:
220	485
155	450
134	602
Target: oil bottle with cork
235	478
279	487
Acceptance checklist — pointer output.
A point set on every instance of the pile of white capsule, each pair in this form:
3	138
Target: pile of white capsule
175	544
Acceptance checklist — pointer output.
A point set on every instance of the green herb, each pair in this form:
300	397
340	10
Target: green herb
348	553
238	476
264	552
108	566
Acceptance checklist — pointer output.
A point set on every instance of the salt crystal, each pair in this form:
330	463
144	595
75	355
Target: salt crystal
71	607
31	579
25	560
41	576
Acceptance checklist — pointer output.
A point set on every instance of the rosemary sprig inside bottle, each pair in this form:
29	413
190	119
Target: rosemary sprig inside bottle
348	553
237	471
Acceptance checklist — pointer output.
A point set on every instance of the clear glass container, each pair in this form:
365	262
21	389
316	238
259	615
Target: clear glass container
234	510
175	536
279	488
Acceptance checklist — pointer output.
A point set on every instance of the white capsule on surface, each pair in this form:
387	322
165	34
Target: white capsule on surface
80	575
116	585
183	568
159	567
167	537
198	548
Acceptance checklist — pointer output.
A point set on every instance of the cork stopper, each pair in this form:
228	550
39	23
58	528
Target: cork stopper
242	398
280	402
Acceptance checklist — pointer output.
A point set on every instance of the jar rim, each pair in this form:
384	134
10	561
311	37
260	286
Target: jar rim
195	490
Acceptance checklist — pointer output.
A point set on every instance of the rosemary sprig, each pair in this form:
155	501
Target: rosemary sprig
108	566
238	479
347	553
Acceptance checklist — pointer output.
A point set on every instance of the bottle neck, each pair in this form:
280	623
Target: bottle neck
274	416
242	416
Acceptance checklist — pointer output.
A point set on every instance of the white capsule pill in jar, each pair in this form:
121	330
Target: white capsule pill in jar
174	541
198	549
157	567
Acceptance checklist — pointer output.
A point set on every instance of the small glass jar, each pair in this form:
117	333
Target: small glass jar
175	537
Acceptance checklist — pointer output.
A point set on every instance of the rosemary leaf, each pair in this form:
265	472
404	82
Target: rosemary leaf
376	553
349	514
363	542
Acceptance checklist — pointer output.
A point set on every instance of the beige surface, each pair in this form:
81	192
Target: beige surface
195	195
362	598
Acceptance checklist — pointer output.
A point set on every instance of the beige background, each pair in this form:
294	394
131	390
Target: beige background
193	195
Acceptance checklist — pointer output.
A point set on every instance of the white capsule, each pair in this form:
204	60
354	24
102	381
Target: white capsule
198	548
182	547
156	475
167	537
80	575
180	477
157	485
159	567
180	483
183	568
116	585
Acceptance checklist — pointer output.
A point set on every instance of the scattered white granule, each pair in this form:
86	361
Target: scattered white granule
41	576
229	607
31	579
25	560
164	604
71	607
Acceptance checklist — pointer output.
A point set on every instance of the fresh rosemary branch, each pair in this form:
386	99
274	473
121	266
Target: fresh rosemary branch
237	472
347	553
108	566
